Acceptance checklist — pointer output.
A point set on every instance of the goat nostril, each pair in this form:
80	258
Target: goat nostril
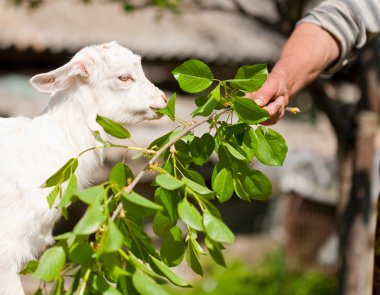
164	98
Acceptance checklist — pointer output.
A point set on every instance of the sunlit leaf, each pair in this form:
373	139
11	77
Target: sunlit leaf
193	76
50	264
63	174
271	147
113	128
249	112
216	229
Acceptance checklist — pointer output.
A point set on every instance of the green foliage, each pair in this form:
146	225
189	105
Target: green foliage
109	245
270	277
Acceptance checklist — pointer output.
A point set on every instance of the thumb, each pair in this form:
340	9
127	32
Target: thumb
266	93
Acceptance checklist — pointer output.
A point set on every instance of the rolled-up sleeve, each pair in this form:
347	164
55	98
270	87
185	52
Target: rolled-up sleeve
351	22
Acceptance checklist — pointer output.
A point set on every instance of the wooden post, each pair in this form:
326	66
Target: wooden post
358	213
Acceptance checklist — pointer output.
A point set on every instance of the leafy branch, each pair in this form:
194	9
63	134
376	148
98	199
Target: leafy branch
108	251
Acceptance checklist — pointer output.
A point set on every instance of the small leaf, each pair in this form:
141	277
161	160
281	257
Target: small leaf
121	174
252	184
169	200
190	215
172	276
249	112
192	258
173	247
202	148
92	195
206	109
223	185
30	267
249	143
214	248
50	264
98	137
215	93
113	128
169	110
91	221
70	191
81	254
271	147
197	188
234	152
216	229
113	238
193	76
161	224
63	174
250	78
145	285
52	196
141	201
169	182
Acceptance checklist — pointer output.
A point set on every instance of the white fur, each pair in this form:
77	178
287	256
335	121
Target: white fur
33	149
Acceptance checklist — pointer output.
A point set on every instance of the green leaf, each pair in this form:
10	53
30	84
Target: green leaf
173	247
250	78
91	220
161	223
141	201
206	109
63	174
113	238
215	93
168	182
69	193
92	195
252	184
190	215
102	286
161	141
248	111
234	152
169	110
249	143
193	76
121	174
197	188
53	195
50	264
167	272
30	267
81	253
98	137
145	285
216	229
215	250
192	258
169	200
223	185
271	147
202	148
113	128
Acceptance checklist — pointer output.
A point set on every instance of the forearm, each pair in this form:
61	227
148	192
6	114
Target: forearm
309	50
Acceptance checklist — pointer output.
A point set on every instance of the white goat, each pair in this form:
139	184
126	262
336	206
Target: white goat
104	79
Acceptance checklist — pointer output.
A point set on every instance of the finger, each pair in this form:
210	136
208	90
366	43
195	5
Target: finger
276	110
266	93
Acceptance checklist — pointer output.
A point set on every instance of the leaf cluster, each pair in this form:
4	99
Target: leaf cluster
109	251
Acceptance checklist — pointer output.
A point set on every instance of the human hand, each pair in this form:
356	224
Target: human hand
273	96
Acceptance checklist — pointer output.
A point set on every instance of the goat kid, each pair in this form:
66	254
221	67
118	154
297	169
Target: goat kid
104	79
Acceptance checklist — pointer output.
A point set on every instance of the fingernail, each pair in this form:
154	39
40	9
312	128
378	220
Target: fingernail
259	101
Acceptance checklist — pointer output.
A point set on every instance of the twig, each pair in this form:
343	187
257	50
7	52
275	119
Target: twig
131	186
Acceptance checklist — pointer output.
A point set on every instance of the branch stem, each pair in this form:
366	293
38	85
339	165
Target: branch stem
131	186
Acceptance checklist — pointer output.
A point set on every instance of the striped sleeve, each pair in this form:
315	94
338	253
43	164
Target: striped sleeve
351	22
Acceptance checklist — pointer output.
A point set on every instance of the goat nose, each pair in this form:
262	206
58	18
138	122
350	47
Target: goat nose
163	96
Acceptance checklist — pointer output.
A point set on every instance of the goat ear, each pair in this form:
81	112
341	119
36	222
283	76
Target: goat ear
60	78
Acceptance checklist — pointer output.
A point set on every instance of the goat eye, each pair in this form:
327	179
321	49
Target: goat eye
125	78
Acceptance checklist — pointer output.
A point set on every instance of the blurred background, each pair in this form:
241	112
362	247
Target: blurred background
286	245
